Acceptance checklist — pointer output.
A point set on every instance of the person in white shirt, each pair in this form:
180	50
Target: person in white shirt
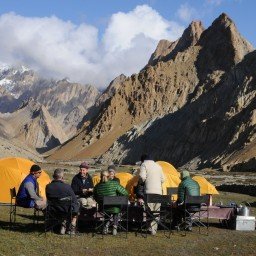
152	175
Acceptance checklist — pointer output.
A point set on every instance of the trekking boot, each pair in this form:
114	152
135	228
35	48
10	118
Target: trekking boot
63	228
105	230
114	231
72	230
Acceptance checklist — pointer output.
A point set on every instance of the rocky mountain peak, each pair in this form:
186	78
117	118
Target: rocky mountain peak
192	33
167	50
223	20
222	46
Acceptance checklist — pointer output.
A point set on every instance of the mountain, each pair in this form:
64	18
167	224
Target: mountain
33	125
181	101
218	129
62	98
166	50
15	148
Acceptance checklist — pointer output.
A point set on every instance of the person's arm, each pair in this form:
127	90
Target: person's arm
31	191
121	191
181	194
143	172
73	196
75	186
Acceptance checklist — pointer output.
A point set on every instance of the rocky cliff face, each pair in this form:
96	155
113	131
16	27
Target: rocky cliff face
175	85
33	125
218	129
167	50
61	98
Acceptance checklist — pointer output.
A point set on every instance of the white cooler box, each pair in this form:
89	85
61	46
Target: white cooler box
245	223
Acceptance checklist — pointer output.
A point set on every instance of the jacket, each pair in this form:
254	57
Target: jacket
190	185
57	189
78	185
152	174
109	188
23	198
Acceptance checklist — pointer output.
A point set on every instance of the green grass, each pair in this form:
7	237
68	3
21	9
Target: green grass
26	239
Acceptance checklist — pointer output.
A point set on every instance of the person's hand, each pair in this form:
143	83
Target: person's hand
90	189
140	201
84	190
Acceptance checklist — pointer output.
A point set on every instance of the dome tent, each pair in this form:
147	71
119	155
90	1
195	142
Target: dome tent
12	172
172	176
124	177
205	186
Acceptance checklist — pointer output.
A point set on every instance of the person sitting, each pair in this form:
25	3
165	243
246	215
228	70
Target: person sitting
57	190
28	193
108	187
112	172
190	186
82	186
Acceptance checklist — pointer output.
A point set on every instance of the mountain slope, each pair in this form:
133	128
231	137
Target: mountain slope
33	125
218	129
167	87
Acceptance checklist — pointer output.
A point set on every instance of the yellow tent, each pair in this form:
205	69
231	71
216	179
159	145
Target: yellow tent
12	172
168	168
96	178
172	177
205	186
124	177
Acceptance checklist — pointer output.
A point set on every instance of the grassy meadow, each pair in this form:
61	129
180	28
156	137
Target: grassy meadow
24	239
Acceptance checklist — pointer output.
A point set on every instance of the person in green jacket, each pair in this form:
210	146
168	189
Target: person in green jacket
108	187
190	186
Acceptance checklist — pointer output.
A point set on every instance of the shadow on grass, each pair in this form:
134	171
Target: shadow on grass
22	227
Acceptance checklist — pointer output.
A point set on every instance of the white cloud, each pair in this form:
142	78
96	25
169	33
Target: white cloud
187	13
58	48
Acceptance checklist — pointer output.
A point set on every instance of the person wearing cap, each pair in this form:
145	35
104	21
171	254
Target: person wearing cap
190	186
82	186
28	193
112	172
151	174
58	189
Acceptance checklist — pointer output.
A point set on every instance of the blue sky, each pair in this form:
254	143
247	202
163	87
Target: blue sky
95	41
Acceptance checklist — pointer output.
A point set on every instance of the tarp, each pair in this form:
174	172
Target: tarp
205	186
12	172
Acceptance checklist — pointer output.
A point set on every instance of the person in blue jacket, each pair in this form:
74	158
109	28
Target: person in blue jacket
28	194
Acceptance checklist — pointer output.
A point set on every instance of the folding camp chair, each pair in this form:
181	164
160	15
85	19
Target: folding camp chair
194	212
105	217
160	215
13	209
171	191
58	211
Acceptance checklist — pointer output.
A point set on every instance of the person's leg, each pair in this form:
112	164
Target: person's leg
91	202
115	223
154	224
82	202
63	227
